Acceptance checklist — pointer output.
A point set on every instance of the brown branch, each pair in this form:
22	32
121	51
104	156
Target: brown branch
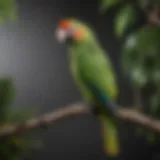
153	15
154	18
78	110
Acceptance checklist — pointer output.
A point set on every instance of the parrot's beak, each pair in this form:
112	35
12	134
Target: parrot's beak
61	35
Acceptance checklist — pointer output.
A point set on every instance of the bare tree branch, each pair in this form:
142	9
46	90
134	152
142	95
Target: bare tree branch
78	109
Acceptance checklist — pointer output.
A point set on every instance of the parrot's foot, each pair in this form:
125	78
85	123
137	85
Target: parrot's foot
95	110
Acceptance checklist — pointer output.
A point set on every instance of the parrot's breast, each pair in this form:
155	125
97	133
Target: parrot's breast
75	71
92	73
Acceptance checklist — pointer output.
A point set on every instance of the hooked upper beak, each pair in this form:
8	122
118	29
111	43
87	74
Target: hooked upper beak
61	35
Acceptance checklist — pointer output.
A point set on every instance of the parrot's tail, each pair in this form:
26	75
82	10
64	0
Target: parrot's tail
110	137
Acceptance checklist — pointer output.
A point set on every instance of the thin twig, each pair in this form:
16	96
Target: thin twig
78	109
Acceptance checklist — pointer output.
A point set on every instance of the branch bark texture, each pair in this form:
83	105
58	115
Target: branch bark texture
78	109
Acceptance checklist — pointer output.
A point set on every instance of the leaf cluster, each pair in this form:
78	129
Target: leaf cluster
13	147
141	46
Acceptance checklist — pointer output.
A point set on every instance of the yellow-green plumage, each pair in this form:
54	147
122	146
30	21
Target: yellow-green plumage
94	76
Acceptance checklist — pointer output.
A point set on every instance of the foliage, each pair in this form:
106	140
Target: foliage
8	10
140	55
106	4
125	17
12	147
145	41
141	47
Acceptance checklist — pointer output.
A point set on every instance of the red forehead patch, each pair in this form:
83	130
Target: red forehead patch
64	24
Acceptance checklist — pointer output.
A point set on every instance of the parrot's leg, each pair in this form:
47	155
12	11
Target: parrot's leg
95	109
98	110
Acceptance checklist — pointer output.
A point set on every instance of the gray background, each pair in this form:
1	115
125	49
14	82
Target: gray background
30	54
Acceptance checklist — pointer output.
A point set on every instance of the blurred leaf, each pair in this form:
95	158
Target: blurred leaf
17	115
141	55
125	18
132	61
7	91
12	14
8	10
1	20
106	4
13	147
139	76
7	95
129	54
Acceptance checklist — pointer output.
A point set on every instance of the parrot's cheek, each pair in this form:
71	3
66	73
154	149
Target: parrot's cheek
60	35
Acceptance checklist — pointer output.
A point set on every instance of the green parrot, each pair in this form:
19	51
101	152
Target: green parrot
141	61
92	71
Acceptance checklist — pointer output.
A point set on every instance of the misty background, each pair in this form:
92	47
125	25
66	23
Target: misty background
39	66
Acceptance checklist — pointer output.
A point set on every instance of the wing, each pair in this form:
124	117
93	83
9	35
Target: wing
97	74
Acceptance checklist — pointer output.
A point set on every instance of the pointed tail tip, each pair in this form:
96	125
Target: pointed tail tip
112	154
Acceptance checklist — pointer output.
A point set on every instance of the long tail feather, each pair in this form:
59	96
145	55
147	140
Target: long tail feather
110	137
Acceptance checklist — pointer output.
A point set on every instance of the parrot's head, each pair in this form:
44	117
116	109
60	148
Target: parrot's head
73	30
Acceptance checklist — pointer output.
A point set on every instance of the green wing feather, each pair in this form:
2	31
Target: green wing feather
99	73
91	66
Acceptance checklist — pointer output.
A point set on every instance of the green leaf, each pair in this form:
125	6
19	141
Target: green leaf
17	114
139	76
7	91
1	20
12	15
124	19
106	4
8	10
7	95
